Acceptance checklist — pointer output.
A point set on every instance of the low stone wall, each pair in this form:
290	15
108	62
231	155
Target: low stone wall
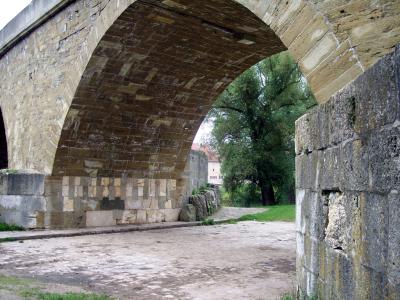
21	197
38	201
205	204
348	181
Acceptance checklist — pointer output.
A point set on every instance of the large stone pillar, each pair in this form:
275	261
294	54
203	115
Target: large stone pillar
348	185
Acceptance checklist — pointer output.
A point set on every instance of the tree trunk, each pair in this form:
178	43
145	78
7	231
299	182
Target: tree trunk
267	194
292	196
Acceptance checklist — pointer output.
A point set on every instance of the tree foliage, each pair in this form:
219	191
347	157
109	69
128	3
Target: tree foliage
254	126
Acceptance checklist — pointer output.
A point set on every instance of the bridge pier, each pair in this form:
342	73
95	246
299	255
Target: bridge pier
39	201
348	180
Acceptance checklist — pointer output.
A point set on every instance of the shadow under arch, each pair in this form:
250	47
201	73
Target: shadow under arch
150	82
3	144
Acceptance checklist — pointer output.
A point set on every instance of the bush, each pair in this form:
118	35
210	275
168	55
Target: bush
207	222
245	195
201	190
10	227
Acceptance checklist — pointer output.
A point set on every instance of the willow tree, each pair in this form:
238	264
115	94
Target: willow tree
254	126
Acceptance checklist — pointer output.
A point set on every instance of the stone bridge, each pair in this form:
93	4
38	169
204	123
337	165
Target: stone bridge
101	99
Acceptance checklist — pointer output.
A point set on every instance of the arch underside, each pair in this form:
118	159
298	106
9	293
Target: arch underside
151	80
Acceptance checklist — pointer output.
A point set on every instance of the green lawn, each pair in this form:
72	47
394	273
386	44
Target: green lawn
70	296
273	213
8	227
34	290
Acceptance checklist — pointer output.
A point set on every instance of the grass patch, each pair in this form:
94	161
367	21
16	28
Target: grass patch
12	281
208	222
10	227
31	289
230	221
287	297
274	213
291	297
7	239
70	296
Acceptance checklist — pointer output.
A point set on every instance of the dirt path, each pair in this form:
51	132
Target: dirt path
234	212
248	260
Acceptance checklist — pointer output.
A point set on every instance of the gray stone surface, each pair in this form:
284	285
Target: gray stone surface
206	203
21	199
22	184
393	263
188	213
196	171
347	195
248	260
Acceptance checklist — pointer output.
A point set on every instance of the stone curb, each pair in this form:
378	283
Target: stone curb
105	231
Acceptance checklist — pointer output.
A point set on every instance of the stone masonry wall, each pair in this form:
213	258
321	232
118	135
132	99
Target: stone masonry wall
348	181
21	197
333	41
196	171
36	201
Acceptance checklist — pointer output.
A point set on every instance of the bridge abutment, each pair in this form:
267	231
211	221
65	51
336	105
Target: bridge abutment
347	180
39	201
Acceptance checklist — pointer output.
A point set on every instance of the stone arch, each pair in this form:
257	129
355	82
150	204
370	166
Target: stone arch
3	144
325	51
334	42
149	83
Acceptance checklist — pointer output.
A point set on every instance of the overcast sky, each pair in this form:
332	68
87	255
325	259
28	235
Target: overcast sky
10	8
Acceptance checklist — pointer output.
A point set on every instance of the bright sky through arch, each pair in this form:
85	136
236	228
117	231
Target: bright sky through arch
9	9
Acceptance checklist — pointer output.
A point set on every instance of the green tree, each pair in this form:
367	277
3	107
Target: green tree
254	126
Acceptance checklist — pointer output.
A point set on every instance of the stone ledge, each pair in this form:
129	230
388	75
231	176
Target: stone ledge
12	236
31	17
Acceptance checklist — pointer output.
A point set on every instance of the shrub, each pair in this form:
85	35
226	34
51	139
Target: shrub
10	227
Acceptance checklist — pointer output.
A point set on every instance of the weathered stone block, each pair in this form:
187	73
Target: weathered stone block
311	254
341	109
3	185
141	216
393	262
373	249
188	213
307	170
317	215
100	218
199	202
337	230
374	94
74	220
108	204
319	127
128	217
353	166
329	166
384	159
171	215
302	136
154	216
301	210
25	184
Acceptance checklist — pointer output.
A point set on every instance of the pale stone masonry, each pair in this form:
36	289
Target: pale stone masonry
96	57
101	100
348	184
36	201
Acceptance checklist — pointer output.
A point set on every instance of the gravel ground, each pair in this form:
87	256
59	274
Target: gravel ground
247	260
